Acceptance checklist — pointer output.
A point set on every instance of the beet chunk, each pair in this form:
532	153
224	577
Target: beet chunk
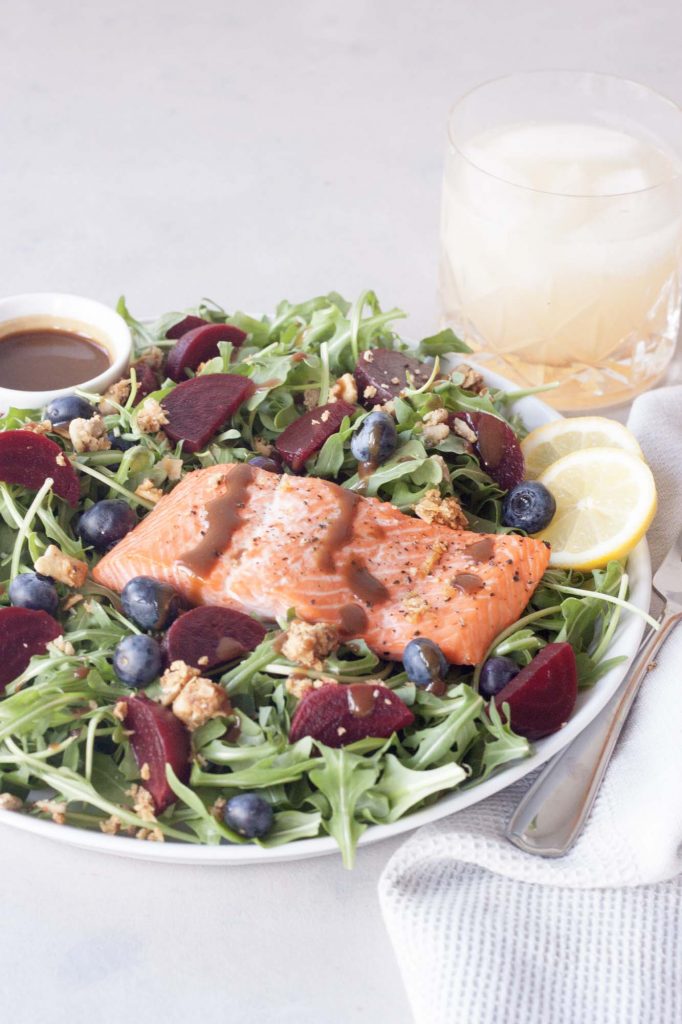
183	326
198	345
147	380
199	407
28	459
23	633
542	696
496	447
381	368
212	633
307	434
337	714
158	738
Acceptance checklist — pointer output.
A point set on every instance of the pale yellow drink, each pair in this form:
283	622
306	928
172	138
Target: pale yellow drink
562	256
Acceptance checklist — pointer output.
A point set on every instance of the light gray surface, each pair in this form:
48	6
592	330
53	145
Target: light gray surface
245	152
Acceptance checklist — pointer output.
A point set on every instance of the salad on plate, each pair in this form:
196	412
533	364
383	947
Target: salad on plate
293	577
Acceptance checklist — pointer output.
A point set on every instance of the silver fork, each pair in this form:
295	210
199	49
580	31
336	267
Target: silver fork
553	812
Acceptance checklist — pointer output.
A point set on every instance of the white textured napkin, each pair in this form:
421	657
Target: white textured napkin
486	934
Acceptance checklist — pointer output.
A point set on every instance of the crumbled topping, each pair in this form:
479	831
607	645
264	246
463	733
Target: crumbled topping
299	685
171	467
143	805
311	396
388	407
203	660
115	396
436	428
262	446
174	678
217	808
433	558
463	429
200	700
150	416
473	381
369	392
10	802
309	644
341	731
44	427
149	491
325	415
61	567
60	459
145	772
442	511
63	646
55	808
434	433
89	435
368	356
414	606
152	356
344	390
120	710
153	835
110	826
436	416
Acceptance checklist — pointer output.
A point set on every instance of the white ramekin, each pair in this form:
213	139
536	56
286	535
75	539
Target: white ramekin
68	312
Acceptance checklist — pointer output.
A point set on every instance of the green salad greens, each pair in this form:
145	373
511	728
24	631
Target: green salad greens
64	750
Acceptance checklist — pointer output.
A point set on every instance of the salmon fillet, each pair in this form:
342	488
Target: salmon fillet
241	537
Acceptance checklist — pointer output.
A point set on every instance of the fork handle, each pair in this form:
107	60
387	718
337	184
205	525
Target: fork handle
553	812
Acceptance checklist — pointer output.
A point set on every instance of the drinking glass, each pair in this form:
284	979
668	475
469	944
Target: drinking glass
561	235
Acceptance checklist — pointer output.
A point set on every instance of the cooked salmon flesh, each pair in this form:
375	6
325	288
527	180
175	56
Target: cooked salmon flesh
241	537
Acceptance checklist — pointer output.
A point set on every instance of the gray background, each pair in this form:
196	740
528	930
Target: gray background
247	152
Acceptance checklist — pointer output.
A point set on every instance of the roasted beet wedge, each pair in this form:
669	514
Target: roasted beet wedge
23	633
147	380
337	714
183	326
28	459
307	434
386	371
496	447
209	636
158	738
542	696
199	407
198	345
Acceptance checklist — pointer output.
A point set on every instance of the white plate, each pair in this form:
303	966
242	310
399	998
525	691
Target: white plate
590	702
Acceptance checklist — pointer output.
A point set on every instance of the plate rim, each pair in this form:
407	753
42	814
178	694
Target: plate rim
628	636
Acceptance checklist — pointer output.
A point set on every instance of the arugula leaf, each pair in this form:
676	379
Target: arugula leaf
342	778
442	344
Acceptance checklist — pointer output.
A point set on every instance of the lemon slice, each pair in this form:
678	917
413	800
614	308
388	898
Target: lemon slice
552	441
606	499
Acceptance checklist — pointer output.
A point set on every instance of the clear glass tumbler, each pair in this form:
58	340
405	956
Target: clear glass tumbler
561	233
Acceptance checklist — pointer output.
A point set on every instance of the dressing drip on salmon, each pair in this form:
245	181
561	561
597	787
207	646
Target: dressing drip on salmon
240	537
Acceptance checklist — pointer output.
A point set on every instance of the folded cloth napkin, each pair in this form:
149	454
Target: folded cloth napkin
487	934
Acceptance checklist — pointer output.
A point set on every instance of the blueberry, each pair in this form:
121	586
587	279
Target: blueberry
424	661
31	590
495	675
249	815
375	440
528	506
150	604
121	444
106	523
263	462
69	407
137	660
